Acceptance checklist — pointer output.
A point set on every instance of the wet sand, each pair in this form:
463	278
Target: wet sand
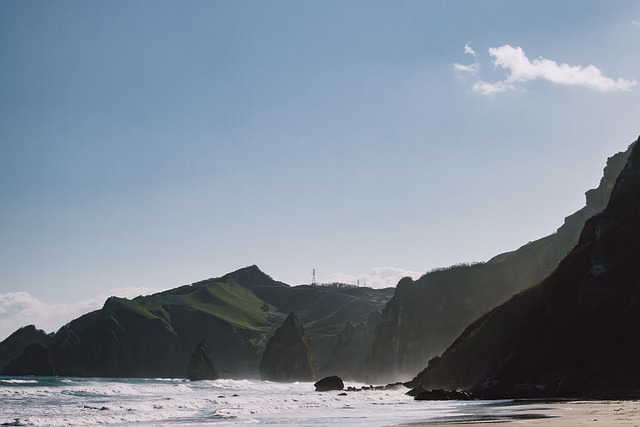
561	414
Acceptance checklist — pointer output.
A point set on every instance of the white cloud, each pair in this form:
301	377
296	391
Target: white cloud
469	50
490	89
467	68
636	22
472	68
377	277
521	69
19	309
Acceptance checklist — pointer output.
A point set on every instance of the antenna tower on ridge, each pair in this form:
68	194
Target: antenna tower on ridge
313	277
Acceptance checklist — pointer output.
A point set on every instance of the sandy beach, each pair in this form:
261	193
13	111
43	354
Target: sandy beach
561	414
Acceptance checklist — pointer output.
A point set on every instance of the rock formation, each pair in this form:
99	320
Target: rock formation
426	315
440	394
575	334
348	357
35	360
18	341
288	356
330	383
201	366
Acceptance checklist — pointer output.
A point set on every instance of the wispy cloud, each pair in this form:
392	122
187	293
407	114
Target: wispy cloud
636	22
19	309
463	68
520	69
377	277
468	68
469	50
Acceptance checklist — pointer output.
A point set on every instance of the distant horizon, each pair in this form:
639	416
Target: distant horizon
153	143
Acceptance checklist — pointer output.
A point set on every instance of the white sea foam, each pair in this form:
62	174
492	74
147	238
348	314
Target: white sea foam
17	381
146	402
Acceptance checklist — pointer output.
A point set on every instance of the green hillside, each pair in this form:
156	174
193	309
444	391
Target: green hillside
236	314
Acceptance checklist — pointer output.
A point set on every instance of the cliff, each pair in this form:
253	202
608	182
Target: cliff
426	315
288	356
155	335
17	342
575	334
349	357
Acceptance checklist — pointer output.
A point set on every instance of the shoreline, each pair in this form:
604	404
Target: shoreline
539	413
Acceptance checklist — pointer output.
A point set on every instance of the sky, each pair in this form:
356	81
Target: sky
149	144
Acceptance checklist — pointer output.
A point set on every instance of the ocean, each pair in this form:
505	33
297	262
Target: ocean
58	401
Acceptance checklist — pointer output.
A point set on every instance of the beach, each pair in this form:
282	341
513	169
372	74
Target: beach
559	414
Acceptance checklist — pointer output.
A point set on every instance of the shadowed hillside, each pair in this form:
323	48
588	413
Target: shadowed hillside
426	315
575	334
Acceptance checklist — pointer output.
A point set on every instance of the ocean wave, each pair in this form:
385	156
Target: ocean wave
148	402
18	381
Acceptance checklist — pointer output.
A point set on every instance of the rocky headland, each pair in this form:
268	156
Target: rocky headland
426	315
577	333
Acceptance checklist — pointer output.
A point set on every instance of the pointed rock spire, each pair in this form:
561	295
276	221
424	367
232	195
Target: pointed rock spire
201	366
288	356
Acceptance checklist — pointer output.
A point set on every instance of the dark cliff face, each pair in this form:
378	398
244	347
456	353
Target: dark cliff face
349	357
425	316
288	356
580	326
35	360
17	342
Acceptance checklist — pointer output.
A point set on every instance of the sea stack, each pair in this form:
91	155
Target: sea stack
201	366
288	356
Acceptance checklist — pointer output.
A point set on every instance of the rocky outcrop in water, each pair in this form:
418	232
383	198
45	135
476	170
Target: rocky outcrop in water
575	334
330	383
288	356
425	316
201	366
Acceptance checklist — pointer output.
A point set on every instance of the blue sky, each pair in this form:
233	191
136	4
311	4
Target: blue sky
148	144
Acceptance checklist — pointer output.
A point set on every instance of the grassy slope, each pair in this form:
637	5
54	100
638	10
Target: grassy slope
231	303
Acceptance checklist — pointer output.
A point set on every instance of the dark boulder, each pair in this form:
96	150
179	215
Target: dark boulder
333	382
35	360
288	356
200	365
416	390
440	394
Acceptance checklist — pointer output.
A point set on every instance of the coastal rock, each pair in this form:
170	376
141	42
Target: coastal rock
575	334
200	365
348	355
288	356
36	360
333	382
440	394
425	316
17	342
